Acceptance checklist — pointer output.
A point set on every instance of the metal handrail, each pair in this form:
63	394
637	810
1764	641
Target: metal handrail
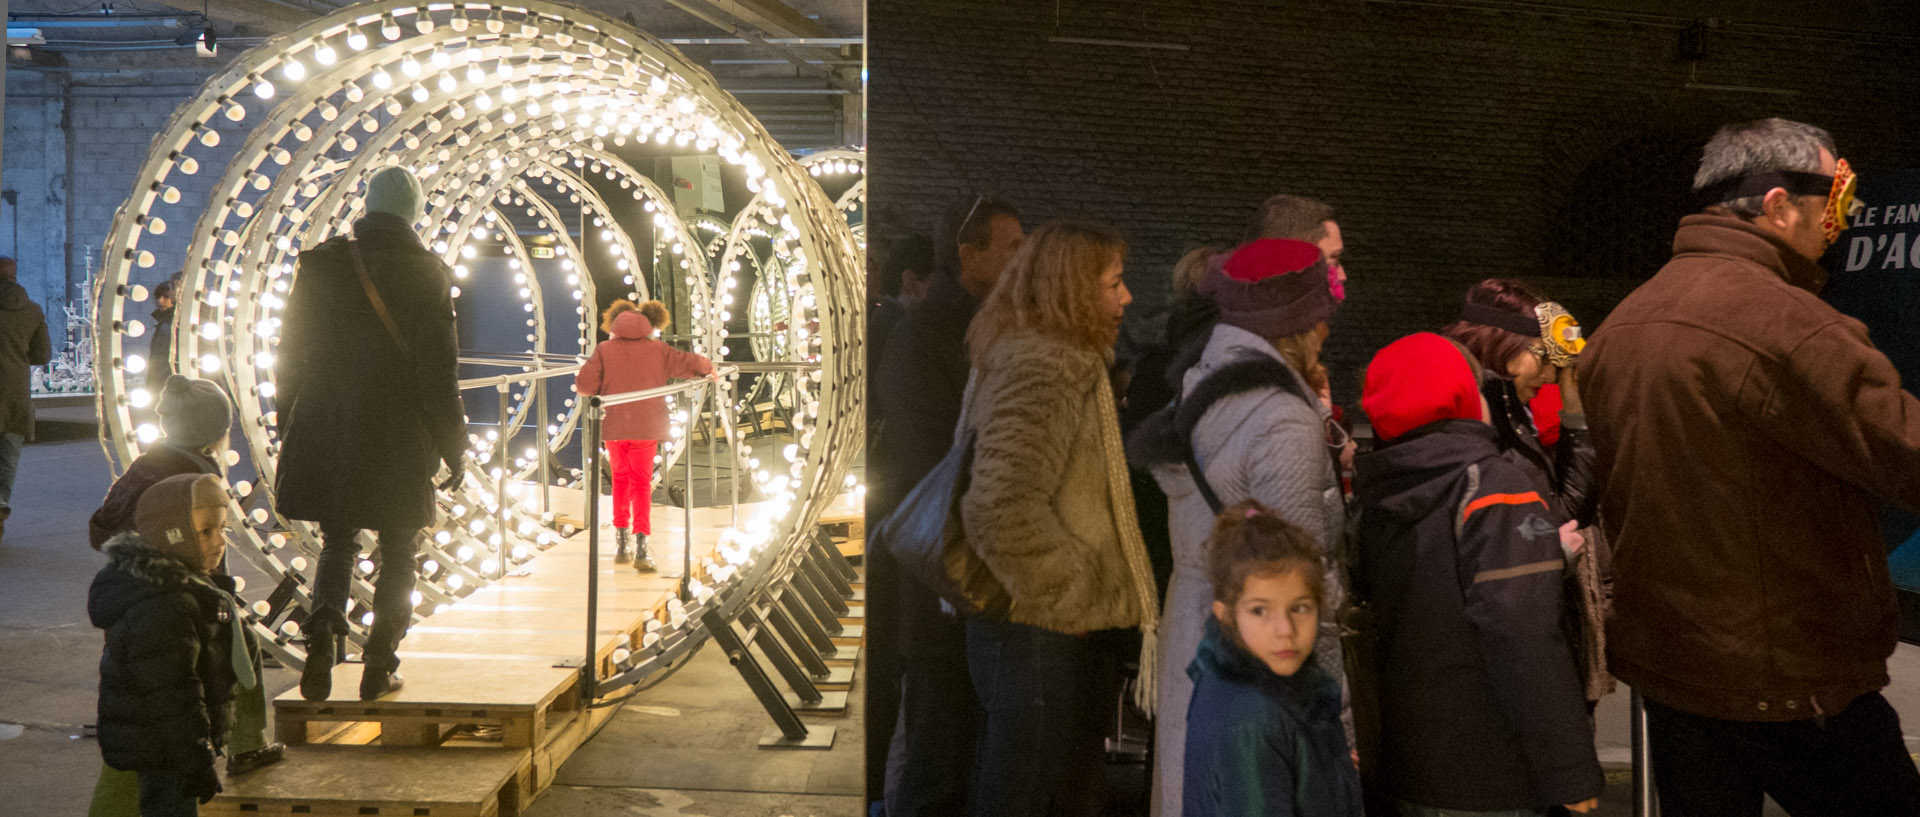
595	412
522	377
759	367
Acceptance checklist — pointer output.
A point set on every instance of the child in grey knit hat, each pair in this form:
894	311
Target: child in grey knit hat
195	415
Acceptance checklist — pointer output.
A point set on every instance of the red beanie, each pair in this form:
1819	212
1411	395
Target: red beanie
1274	288
1416	380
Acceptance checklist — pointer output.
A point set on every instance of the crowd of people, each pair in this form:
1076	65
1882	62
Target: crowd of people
1686	502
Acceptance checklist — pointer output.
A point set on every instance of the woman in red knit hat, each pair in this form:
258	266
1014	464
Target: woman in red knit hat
632	360
1251	419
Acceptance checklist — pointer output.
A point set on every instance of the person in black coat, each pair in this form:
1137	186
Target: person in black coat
1480	706
917	390
367	412
23	344
160	349
175	645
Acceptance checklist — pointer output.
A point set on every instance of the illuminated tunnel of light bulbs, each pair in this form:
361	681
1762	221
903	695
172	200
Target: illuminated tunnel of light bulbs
525	123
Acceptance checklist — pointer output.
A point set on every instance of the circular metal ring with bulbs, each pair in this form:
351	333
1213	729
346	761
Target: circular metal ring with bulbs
488	103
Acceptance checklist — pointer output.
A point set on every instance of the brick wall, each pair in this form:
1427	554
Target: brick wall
1458	141
100	126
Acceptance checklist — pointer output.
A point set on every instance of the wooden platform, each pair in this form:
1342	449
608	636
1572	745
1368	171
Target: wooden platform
485	718
846	521
342	780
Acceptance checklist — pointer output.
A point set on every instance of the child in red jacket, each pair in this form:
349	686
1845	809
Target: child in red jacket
631	360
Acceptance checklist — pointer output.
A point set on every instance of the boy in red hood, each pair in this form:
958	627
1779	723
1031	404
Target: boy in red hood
1481	708
632	360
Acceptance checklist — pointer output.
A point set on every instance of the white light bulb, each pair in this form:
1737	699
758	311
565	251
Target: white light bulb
294	70
140	398
382	80
209	363
136	364
264	90
357	41
325	55
147	433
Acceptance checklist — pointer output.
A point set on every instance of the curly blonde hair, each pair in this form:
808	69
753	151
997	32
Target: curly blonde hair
615	310
1052	287
657	314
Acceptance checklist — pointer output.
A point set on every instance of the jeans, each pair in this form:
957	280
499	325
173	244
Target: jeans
632	466
9	465
938	713
1040	747
164	794
392	589
1856	763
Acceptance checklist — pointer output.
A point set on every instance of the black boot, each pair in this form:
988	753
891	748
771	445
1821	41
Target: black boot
323	639
621	542
640	561
257	759
379	679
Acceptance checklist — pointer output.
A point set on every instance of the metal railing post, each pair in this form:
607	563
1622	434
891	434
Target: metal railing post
1644	802
591	457
686	540
546	449
500	486
733	457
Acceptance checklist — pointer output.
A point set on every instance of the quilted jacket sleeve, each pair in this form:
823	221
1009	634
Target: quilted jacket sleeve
687	365
591	379
161	649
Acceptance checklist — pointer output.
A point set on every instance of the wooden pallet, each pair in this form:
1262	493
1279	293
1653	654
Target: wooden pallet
522	699
358	780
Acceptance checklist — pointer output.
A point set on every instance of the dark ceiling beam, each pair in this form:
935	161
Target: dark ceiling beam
775	18
708	12
273	17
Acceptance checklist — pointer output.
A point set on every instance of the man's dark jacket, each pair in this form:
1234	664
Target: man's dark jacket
363	425
917	391
166	674
1480	705
1744	429
23	344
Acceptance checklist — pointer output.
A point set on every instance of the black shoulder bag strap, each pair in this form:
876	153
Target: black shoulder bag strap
373	297
1234	378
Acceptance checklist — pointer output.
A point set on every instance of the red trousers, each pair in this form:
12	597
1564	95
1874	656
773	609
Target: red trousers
632	462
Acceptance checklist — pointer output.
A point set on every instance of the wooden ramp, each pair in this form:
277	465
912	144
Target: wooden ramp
487	715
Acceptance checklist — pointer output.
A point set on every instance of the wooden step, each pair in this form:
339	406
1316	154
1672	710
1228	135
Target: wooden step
440	694
359	780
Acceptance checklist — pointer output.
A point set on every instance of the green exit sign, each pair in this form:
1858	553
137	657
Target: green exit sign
542	252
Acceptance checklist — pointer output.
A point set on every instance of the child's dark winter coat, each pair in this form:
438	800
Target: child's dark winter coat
166	675
1264	744
1480	705
164	459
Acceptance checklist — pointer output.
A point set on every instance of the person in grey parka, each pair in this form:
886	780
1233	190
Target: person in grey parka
1261	441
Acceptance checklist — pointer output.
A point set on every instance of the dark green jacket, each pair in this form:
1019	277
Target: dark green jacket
1264	744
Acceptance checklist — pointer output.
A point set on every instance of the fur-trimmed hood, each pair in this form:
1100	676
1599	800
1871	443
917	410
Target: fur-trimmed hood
136	572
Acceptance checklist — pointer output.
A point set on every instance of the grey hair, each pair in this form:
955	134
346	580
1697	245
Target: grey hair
1757	147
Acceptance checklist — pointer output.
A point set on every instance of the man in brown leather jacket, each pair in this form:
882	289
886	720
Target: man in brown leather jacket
1744	430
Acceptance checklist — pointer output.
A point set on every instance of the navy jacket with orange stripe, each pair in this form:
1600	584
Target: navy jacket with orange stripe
1480	705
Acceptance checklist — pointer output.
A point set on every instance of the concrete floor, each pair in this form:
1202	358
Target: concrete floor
685	747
